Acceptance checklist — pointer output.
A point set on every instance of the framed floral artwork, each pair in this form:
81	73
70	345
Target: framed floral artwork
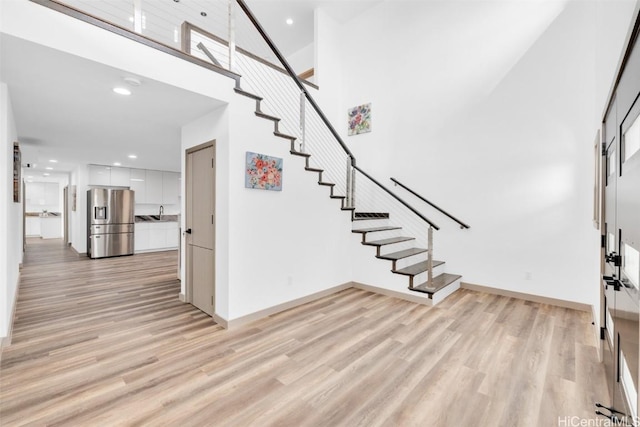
359	119
263	172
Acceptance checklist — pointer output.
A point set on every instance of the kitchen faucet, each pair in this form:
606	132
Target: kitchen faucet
161	211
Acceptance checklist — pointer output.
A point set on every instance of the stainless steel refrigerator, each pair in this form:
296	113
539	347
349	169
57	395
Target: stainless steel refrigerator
110	222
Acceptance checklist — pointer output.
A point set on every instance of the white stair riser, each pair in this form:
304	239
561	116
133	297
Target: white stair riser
369	223
396	247
379	235
413	259
422	277
446	291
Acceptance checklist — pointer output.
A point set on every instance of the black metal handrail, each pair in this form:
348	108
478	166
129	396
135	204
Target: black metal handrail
295	77
462	224
395	196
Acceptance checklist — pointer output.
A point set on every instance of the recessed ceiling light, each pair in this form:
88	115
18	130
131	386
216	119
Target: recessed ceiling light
133	156
122	91
203	13
49	168
116	163
46	174
30	176
53	161
289	21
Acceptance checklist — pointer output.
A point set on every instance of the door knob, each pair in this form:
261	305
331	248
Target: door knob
188	231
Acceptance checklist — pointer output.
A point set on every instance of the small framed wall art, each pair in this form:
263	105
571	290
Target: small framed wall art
359	119
17	172
263	172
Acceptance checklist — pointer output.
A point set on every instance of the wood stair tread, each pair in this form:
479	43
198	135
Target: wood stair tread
416	269
338	197
374	229
439	282
328	184
313	169
395	256
248	94
285	136
267	116
389	241
298	153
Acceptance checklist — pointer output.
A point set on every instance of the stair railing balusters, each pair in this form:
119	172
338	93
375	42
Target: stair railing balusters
429	257
295	78
348	200
303	102
232	36
353	186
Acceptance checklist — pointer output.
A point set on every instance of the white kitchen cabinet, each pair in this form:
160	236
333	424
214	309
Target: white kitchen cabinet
154	187
137	183
171	235
170	188
52	196
141	236
32	226
157	235
35	196
51	227
100	175
120	177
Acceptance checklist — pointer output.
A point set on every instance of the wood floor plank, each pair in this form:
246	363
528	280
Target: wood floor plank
107	342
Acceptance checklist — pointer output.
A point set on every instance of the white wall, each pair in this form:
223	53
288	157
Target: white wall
492	124
303	59
78	222
271	247
10	215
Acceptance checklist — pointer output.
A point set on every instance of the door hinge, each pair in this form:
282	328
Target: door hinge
211	299
211	219
602	332
212	163
604	148
603	241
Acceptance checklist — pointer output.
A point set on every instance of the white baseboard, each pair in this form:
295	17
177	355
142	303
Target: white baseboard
243	320
6	341
182	297
528	297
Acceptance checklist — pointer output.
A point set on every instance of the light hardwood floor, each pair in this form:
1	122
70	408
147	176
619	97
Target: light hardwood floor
107	342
